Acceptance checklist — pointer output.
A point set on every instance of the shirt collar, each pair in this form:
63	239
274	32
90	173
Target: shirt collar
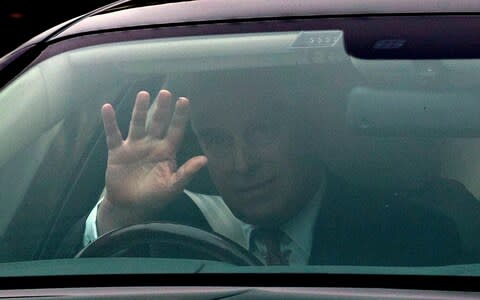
300	228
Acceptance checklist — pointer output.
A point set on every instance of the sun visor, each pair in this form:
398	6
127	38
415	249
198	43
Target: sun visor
414	37
412	113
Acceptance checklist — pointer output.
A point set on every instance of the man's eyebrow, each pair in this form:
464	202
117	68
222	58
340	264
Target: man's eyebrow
209	132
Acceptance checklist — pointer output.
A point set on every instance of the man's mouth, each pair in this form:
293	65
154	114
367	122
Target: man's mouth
255	186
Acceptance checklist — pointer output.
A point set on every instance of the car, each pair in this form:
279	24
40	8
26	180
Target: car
146	145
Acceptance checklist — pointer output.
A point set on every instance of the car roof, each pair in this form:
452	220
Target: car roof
140	13
131	14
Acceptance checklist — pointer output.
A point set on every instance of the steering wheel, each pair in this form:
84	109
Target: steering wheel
170	241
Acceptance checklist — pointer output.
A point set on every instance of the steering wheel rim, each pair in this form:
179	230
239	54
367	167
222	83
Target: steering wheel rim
170	237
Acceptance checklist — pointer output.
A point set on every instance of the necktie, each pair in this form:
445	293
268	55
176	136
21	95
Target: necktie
271	239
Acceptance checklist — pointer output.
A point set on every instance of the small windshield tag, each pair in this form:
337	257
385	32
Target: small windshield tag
388	44
317	39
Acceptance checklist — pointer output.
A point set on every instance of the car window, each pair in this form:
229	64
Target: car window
199	148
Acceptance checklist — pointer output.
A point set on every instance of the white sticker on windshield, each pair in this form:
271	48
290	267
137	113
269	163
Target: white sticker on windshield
317	39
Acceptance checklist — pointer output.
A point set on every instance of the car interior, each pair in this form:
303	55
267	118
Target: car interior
375	116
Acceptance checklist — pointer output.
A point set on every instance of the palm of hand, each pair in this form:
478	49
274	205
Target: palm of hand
142	174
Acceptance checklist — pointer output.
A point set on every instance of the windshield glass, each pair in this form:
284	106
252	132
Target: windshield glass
255	151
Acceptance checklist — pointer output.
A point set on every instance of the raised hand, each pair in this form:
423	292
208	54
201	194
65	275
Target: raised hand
142	175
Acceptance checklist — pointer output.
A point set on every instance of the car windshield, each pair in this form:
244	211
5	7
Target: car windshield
269	150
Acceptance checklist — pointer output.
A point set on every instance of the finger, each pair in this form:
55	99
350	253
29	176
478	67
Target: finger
112	133
162	113
139	116
185	173
179	122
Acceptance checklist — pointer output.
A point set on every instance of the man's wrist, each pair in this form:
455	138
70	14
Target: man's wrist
111	216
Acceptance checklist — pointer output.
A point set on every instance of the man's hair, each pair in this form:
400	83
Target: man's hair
289	86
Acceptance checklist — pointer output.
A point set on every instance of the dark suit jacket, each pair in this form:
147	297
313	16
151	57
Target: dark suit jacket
355	227
386	228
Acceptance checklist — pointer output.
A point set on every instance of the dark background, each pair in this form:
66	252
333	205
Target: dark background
21	20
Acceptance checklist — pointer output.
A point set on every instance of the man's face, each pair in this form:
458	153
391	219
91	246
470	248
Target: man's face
254	151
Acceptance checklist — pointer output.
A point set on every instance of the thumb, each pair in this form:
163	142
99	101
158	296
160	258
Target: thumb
185	173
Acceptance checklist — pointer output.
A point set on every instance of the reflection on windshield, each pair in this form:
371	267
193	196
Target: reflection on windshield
328	160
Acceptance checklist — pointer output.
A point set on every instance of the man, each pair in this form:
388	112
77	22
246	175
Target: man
257	145
253	156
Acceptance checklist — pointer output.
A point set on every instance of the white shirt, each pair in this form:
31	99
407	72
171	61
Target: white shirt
298	231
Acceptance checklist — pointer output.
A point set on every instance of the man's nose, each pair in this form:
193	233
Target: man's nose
243	158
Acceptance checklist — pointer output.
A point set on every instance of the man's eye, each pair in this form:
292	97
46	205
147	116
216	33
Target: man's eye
262	135
216	140
218	146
